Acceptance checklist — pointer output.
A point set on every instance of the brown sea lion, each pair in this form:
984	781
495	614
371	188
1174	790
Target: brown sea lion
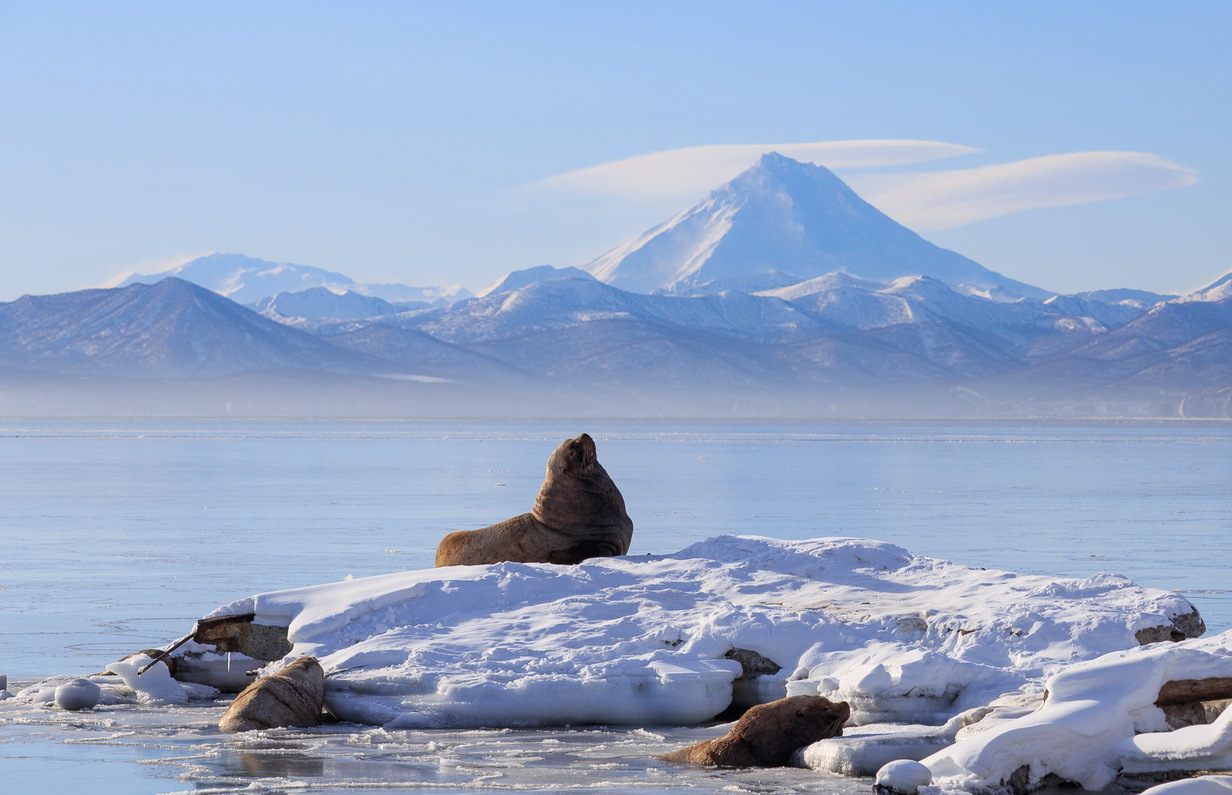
768	734
291	697
578	514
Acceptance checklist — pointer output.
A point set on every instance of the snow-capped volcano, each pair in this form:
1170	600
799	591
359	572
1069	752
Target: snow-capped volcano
791	217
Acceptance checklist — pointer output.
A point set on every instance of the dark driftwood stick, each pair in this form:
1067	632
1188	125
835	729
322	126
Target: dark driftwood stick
164	652
1186	690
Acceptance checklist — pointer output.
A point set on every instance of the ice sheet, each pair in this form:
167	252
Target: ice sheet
148	749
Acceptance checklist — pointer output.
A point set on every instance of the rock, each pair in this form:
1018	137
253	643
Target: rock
78	694
292	697
240	635
1194	702
1187	625
758	682
769	734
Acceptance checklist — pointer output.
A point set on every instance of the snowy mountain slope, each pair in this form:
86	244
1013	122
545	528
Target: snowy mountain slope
1220	290
1173	350
640	356
563	303
422	355
1198	364
866	304
1161	327
319	303
528	276
1106	314
247	279
170	329
847	301
893	356
1178	347
782	215
718	340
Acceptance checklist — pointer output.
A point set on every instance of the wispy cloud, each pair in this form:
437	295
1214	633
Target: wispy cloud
946	199
694	171
150	267
925	201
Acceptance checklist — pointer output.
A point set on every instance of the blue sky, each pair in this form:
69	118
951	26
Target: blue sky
1073	146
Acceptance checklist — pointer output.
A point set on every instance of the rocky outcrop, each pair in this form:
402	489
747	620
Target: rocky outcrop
1182	627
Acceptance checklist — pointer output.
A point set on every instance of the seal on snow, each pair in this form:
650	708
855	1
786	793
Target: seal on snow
578	514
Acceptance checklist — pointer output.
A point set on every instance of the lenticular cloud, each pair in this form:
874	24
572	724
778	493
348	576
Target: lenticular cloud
693	171
946	199
926	201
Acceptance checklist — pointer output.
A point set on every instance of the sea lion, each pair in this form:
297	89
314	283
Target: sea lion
768	734
291	697
578	514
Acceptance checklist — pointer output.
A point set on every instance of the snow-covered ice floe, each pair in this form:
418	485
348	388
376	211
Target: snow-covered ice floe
672	639
1099	721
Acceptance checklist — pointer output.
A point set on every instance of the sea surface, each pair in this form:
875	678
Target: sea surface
117	534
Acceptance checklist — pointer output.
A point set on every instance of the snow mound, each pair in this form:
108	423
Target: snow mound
1099	721
644	640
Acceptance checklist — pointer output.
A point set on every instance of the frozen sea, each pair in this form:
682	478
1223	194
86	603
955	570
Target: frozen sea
116	535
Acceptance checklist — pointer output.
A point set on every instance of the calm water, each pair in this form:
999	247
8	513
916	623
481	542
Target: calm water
116	535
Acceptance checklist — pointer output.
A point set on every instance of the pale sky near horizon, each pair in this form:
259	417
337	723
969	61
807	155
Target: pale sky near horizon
1073	146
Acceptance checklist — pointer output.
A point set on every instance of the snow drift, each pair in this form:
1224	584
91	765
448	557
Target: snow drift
671	639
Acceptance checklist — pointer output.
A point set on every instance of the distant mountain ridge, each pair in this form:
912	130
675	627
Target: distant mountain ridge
837	343
171	329
528	276
247	280
783	294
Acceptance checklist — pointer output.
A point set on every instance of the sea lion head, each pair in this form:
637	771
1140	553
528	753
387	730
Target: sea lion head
578	498
573	456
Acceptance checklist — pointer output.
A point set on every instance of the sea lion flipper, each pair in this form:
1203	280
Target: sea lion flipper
583	550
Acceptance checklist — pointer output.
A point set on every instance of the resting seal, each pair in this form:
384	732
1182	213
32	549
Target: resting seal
291	697
768	734
578	514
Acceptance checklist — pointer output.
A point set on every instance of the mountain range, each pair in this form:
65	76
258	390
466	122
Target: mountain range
783	293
